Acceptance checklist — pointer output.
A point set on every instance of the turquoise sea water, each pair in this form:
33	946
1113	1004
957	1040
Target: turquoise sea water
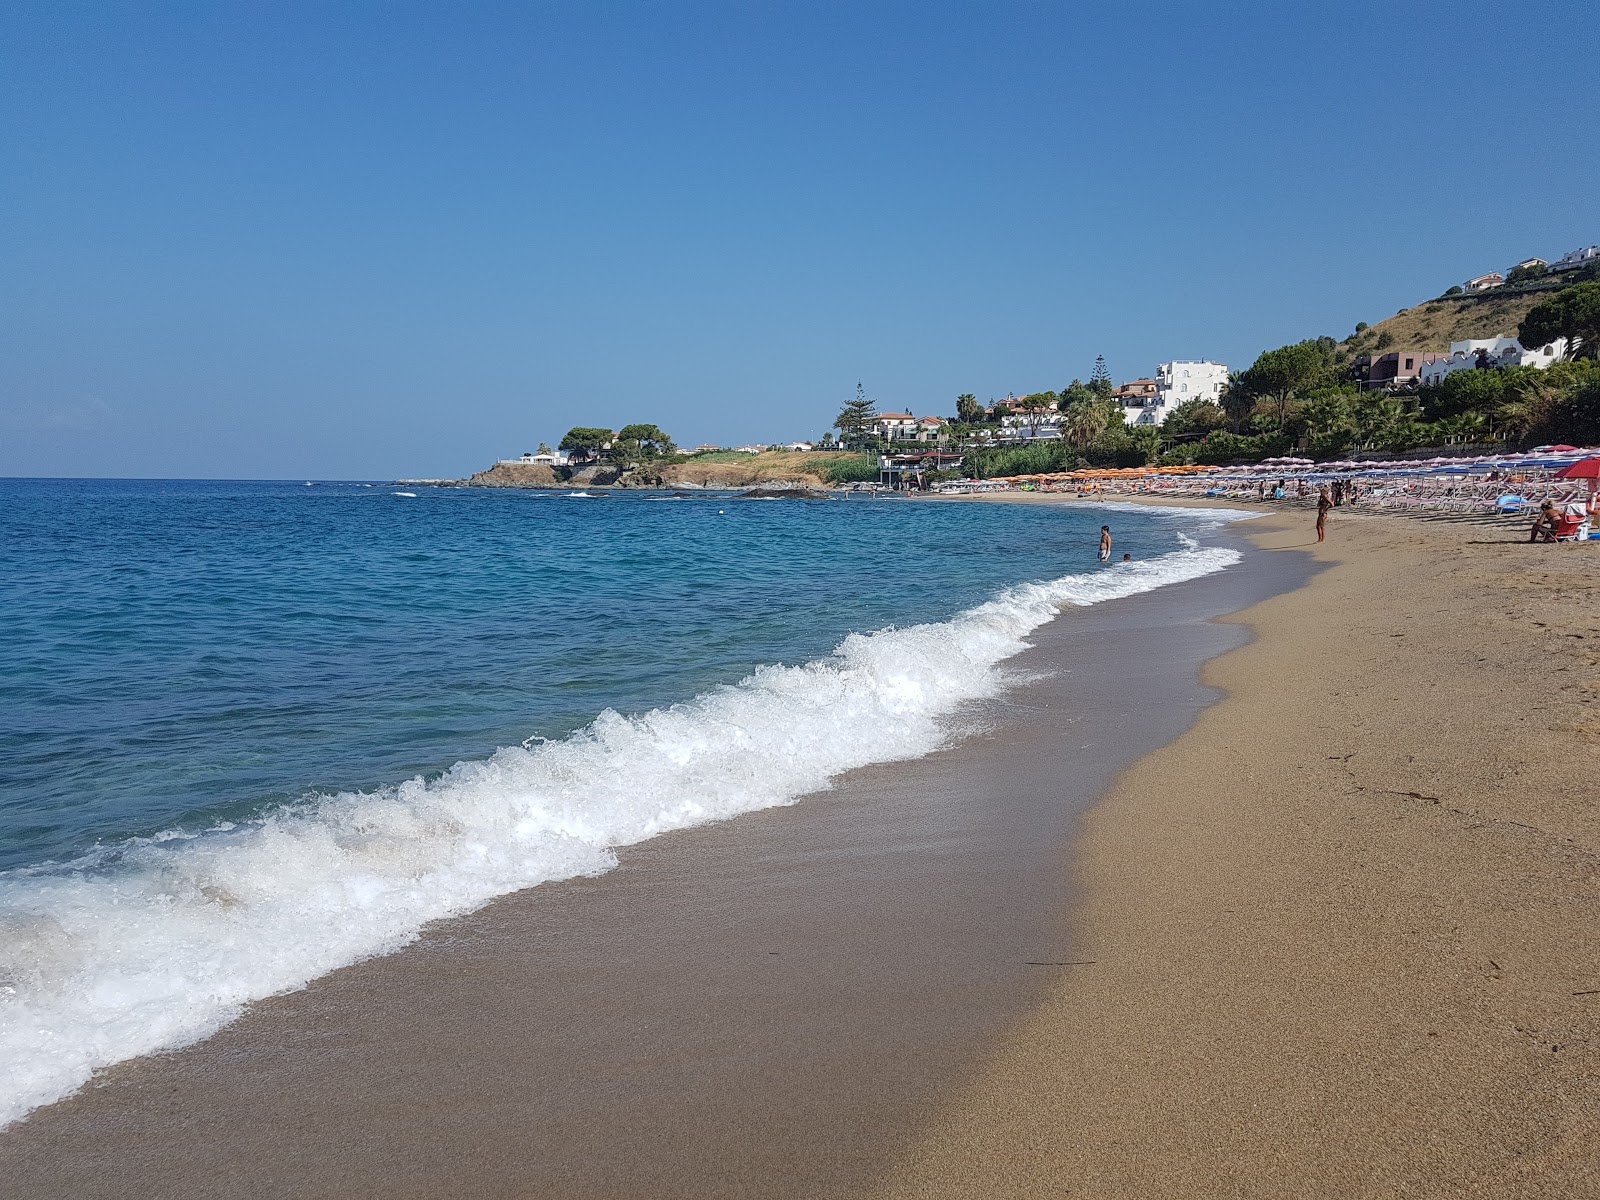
254	732
177	652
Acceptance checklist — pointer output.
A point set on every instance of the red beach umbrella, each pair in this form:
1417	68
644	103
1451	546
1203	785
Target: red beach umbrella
1584	468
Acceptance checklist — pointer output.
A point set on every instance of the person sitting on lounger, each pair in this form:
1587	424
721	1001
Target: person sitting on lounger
1548	522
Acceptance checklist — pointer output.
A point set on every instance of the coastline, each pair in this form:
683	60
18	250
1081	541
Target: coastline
1344	928
703	1018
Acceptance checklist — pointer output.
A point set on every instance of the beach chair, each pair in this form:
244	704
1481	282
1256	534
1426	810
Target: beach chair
1573	525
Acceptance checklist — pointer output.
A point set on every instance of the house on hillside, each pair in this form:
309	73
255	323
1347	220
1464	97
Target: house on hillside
1588	256
903	427
892	427
1484	354
1392	371
1030	424
1484	282
1529	264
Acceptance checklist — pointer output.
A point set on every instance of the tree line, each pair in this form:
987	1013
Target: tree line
629	446
1306	397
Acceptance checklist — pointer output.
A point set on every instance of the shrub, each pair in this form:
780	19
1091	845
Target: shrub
1220	449
1019	460
851	470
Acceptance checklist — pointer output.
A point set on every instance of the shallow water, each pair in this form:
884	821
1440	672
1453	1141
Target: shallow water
266	686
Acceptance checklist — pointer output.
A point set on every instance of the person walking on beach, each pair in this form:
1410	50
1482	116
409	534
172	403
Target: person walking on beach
1105	543
1324	503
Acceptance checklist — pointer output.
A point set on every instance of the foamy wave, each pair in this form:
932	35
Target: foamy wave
160	941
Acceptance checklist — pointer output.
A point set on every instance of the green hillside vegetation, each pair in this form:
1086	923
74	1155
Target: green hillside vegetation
1306	398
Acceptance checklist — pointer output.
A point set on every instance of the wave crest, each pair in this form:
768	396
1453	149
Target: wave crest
158	942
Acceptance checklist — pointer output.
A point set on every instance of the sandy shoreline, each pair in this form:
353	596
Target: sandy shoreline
1341	937
766	1006
1347	928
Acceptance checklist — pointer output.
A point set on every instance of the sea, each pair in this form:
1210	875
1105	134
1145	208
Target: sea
256	731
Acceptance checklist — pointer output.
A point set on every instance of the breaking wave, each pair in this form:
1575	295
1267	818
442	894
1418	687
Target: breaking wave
157	942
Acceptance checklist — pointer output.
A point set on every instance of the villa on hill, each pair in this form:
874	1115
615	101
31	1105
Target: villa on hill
1586	257
1397	369
1482	354
903	427
1148	401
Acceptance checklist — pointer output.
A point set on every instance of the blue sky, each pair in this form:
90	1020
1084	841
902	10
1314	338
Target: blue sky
366	241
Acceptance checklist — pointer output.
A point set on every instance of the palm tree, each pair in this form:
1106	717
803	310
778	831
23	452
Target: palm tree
1084	421
1149	441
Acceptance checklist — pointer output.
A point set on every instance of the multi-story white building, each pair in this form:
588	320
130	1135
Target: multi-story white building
1480	353
894	426
1578	258
1178	383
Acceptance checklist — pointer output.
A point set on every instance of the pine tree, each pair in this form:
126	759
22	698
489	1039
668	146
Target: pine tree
855	420
1100	381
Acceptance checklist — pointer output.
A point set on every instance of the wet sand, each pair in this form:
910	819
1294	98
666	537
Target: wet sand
1346	930
772	1006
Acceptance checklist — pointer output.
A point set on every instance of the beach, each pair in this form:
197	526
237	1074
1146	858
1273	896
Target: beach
1332	933
1346	930
769	1005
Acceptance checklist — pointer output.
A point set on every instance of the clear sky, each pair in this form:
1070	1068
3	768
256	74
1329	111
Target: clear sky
372	240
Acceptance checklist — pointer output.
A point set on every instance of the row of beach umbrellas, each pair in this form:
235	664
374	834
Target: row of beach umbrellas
1569	462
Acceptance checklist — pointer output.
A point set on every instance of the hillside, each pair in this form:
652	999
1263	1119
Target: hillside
750	470
1434	324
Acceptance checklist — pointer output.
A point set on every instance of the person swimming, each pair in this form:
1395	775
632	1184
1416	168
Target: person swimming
1105	543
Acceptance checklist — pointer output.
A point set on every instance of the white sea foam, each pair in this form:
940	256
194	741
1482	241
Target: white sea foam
160	941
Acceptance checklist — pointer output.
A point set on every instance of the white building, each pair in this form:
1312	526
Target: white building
1178	383
1578	258
1484	282
895	426
1478	353
903	427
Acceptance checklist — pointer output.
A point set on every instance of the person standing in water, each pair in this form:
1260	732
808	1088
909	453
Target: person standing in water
1324	503
1105	543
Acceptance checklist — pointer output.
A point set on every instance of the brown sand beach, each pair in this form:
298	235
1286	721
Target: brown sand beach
1339	938
1346	930
768	1006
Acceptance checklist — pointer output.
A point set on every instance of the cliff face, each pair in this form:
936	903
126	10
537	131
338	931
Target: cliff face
516	475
